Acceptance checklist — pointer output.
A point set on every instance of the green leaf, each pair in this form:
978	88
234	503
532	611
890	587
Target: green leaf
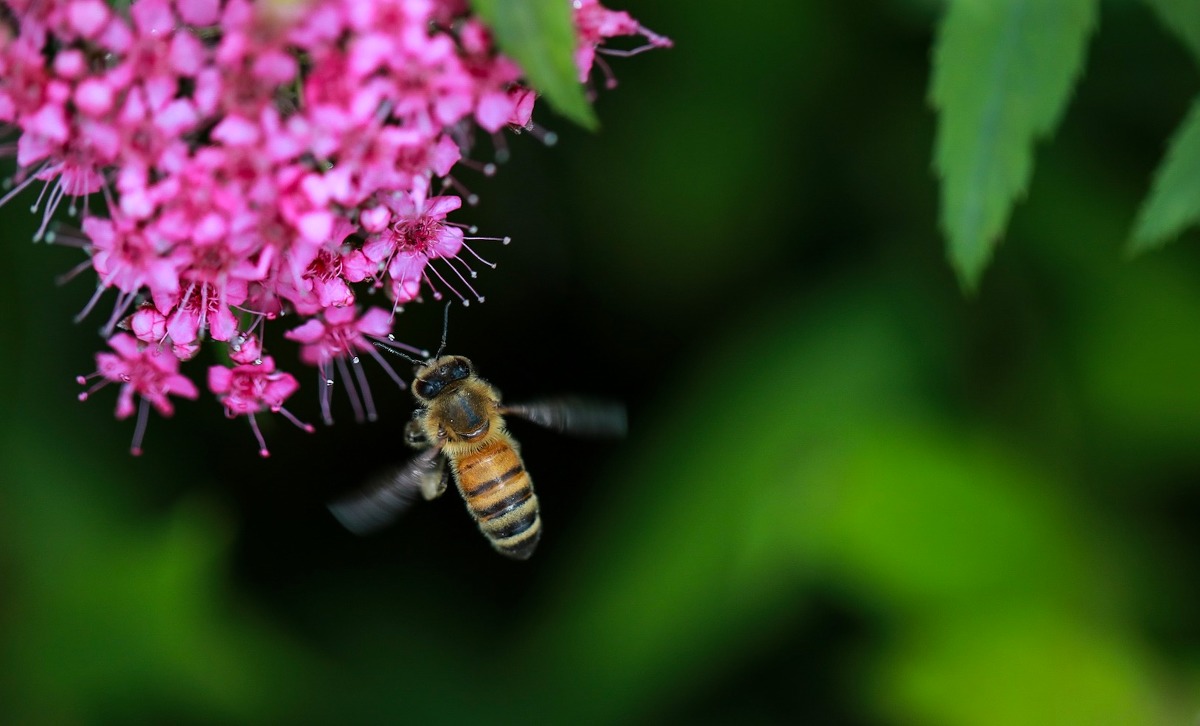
1182	17
1003	71
124	614
1011	663
1174	200
540	36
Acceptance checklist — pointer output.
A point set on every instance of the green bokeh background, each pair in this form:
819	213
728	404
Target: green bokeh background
849	494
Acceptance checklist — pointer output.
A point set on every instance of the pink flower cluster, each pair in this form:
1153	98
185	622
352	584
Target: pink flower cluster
256	160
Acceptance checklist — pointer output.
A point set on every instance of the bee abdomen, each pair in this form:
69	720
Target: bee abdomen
499	495
513	524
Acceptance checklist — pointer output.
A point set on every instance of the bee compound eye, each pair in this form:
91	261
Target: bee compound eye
459	369
425	389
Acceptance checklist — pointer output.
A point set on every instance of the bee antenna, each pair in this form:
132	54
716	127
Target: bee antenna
384	346
445	330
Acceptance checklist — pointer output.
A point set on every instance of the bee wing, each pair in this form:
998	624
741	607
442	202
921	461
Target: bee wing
387	495
574	415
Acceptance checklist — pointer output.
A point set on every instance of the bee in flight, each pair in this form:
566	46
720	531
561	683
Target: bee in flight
459	428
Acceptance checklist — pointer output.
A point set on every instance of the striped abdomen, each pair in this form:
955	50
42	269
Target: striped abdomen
499	495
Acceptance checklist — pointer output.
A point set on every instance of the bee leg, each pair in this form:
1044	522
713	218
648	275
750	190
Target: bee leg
434	484
414	435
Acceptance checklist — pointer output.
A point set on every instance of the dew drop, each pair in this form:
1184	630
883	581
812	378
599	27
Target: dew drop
472	199
507	240
354	360
329	381
489	169
550	139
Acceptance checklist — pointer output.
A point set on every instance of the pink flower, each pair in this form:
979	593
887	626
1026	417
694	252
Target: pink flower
150	326
252	387
149	372
595	24
233	162
337	340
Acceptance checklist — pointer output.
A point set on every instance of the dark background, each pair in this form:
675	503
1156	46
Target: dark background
850	493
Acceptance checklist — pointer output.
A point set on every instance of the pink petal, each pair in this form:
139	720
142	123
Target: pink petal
125	405
153	17
274	66
333	293
222	324
87	17
249	351
187	54
148	324
523	110
356	267
93	97
439	207
376	321
339	316
309	332
315	226
183	326
236	131
180	385
199	12
219	378
448	243
177	117
405	290
126	345
374	219
49	122
70	64
494	110
407	265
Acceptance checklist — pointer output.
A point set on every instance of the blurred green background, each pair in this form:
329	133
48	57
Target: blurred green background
850	495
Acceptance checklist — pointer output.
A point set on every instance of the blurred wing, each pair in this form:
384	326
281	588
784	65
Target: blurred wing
386	496
578	416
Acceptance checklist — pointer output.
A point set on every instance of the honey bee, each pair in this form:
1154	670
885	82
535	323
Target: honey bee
459	428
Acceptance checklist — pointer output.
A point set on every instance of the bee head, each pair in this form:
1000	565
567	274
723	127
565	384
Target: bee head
432	378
